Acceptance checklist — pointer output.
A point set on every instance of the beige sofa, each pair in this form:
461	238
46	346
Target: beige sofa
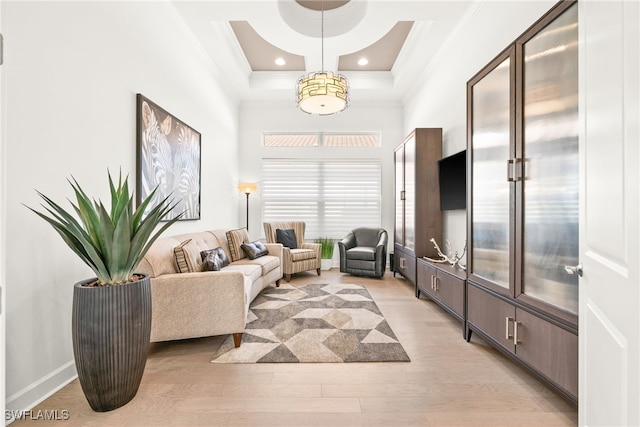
205	303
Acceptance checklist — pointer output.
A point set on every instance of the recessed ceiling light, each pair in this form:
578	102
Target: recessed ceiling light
280	61
363	61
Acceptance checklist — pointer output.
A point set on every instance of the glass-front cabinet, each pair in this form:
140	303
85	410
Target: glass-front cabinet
417	199
523	173
523	140
550	163
491	149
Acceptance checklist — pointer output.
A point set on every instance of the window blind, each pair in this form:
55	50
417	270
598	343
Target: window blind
331	196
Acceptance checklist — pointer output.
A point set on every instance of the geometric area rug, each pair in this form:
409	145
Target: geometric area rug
314	323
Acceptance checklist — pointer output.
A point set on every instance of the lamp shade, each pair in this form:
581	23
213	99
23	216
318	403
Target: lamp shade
247	187
322	93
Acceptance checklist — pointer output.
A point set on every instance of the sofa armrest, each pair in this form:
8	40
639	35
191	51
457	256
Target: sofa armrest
275	249
313	246
191	305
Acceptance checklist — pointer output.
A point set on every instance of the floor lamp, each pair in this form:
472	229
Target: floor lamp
247	188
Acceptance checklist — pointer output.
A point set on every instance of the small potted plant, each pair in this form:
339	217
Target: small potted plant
111	319
326	252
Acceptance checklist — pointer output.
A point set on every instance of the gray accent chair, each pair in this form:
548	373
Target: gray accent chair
363	252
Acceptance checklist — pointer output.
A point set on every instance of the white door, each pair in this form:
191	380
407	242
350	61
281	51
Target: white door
3	287
609	390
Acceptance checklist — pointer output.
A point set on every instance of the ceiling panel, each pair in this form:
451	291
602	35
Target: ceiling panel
382	54
262	55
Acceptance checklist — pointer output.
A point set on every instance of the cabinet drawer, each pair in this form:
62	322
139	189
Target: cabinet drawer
549	349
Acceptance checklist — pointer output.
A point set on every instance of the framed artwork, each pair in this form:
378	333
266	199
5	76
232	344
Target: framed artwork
168	156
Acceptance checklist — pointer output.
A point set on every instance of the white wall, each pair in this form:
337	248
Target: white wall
256	118
71	73
440	99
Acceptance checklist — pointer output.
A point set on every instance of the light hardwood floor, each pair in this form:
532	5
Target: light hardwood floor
448	382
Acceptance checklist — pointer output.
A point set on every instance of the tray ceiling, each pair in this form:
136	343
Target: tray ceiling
398	38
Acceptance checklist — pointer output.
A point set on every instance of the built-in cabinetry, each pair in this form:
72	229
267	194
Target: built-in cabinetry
417	198
522	287
445	285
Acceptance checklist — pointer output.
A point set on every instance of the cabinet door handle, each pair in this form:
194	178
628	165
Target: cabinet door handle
435	283
401	262
513	170
516	341
507	335
402	195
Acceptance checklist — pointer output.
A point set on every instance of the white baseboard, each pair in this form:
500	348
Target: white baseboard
33	394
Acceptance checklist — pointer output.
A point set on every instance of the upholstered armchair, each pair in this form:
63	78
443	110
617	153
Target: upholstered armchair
363	252
305	256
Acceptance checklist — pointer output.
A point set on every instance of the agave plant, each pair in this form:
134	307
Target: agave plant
112	243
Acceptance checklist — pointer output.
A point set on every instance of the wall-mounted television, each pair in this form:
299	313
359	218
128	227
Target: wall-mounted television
452	172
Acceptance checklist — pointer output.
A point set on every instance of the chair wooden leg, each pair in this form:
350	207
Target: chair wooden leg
237	339
318	270
287	277
278	283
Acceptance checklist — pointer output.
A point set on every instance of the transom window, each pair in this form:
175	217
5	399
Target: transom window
322	139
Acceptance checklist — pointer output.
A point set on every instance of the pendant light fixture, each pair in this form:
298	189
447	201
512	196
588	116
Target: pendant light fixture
323	92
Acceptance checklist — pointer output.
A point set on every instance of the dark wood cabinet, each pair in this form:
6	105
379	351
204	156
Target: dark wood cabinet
489	316
405	262
547	348
443	284
417	199
523	198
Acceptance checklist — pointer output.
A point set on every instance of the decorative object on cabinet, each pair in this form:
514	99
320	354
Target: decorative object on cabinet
417	197
523	224
168	159
454	259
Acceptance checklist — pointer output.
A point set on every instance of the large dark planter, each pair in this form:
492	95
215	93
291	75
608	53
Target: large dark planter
111	331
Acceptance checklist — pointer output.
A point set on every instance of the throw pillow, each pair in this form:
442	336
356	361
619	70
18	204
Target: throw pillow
254	249
220	256
287	238
184	255
236	238
212	261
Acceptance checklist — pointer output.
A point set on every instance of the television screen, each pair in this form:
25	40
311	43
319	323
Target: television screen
453	181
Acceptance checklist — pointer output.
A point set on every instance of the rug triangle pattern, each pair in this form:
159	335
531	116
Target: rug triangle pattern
314	323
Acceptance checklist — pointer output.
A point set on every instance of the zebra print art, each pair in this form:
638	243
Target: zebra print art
169	159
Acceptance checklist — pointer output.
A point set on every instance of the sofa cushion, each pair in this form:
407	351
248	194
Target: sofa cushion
253	271
236	238
302	254
185	255
287	238
362	253
214	259
254	249
267	263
